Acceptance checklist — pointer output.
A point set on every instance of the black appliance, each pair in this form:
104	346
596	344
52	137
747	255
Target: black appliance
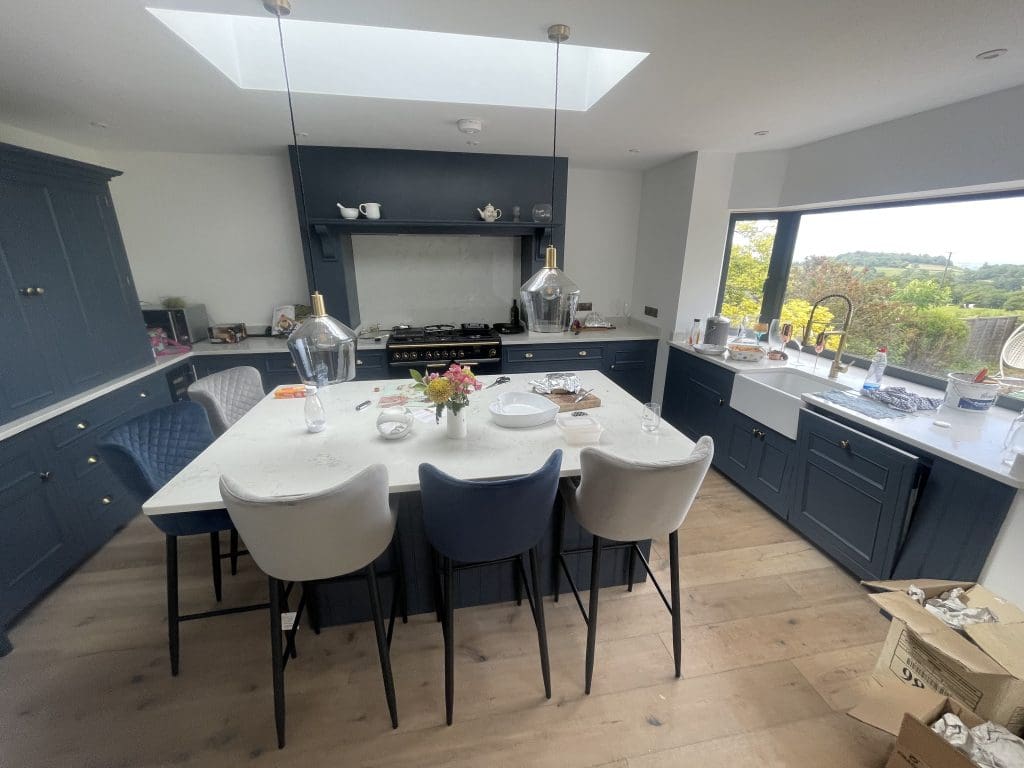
178	380
186	325
438	346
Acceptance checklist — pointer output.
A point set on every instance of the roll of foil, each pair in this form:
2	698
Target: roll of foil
556	382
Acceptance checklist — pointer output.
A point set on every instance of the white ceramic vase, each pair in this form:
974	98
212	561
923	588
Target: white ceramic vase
455	423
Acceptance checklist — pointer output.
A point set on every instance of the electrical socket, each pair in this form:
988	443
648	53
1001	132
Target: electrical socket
585	306
651	311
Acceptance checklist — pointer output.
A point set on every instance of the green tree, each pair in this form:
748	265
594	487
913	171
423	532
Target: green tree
752	244
936	340
923	294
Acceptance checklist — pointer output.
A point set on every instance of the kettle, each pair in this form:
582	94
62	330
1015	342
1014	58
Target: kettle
489	213
716	330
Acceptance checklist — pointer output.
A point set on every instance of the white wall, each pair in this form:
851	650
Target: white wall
37	141
602	216
216	229
661	244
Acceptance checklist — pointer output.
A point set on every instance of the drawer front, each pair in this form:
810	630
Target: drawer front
555	353
279	363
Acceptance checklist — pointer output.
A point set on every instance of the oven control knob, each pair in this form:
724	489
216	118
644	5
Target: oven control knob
462	353
492	353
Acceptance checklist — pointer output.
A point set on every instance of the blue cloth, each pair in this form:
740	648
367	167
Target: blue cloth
152	448
479	521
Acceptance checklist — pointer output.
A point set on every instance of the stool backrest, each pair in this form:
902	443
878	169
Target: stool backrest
228	395
152	448
482	520
319	535
628	500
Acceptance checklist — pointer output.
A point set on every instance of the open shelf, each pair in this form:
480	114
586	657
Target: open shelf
498	228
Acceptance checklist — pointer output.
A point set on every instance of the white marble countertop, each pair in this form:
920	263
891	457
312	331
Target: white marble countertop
973	440
624	330
270	452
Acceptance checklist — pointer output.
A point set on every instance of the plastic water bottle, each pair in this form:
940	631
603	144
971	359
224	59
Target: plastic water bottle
874	378
316	418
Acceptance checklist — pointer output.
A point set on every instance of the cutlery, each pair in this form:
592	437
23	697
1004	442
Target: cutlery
364	404
497	381
582	395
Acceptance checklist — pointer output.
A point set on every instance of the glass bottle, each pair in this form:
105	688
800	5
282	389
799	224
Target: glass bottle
549	298
324	349
316	418
695	332
1014	442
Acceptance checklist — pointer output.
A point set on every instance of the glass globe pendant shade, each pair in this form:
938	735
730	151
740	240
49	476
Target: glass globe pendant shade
324	349
550	297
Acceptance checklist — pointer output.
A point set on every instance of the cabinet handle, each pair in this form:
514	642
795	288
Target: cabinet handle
613	367
582	353
92	460
358	361
143	394
293	363
106	500
40	291
528	355
759	434
82	425
844	444
27	291
721	402
44	476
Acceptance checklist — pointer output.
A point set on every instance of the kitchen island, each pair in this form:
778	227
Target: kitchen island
269	452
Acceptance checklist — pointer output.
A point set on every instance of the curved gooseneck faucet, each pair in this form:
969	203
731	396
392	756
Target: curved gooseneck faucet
837	362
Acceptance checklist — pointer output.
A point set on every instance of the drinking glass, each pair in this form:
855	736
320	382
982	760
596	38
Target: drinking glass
819	347
798	337
777	339
650	419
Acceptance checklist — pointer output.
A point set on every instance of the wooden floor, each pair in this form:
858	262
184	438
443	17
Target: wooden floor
777	643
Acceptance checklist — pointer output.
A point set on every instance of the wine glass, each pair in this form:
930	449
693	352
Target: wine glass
798	337
819	347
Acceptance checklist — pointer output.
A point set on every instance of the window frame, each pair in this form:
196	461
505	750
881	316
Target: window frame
781	261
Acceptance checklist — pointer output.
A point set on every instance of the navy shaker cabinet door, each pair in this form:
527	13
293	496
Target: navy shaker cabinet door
853	495
757	459
696	397
630	364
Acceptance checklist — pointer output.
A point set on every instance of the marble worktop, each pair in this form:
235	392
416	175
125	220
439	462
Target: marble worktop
973	440
269	452
624	330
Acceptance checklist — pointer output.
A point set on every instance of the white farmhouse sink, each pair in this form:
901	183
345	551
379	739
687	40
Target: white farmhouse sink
772	396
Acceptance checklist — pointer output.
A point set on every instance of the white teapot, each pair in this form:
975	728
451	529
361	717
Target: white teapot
489	213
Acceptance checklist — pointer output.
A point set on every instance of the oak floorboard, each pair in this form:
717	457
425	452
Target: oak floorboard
777	642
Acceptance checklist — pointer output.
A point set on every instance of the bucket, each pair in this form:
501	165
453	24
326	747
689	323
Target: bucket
963	393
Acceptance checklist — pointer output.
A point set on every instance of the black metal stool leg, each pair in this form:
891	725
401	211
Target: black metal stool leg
677	606
172	600
403	586
559	539
277	657
595	591
542	632
313	607
438	586
382	645
215	561
234	552
449	639
518	577
631	566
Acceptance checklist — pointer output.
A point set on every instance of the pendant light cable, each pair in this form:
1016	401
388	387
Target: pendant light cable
304	212
554	136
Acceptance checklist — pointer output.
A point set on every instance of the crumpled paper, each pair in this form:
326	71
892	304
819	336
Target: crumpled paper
951	609
987	745
556	382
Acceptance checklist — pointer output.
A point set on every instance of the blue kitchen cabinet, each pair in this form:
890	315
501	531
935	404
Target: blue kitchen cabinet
278	368
630	364
696	397
757	459
556	356
853	495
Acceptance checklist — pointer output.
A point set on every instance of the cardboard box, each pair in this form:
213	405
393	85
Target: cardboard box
908	714
984	670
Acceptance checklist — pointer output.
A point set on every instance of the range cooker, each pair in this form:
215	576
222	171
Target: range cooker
438	346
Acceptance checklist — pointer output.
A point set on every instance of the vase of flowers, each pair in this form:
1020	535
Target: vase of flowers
449	391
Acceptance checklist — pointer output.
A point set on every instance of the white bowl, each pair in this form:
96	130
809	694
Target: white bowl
709	349
521	409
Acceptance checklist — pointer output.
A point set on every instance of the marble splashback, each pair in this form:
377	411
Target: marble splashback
419	279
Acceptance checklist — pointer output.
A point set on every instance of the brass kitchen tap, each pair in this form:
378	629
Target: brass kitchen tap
837	362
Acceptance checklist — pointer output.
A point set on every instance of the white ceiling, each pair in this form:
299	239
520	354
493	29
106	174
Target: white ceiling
718	71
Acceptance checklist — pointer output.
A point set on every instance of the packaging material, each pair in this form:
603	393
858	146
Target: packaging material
950	608
228	333
556	382
907	713
987	745
982	666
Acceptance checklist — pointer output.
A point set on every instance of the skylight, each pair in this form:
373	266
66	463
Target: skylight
386	63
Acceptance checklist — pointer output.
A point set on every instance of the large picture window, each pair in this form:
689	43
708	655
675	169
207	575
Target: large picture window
940	283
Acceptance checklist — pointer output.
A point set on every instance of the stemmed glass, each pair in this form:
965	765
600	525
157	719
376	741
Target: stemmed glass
798	337
819	347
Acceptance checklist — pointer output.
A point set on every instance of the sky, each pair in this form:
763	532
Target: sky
975	231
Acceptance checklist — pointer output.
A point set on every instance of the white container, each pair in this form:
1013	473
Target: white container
962	393
579	430
521	409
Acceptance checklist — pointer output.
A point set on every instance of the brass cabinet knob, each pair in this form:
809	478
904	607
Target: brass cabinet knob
358	361
293	363
758	433
613	367
583	353
45	475
528	355
82	425
106	500
92	460
30	291
844	444
39	291
143	394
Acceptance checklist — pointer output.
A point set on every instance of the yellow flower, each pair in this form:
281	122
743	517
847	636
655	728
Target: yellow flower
440	391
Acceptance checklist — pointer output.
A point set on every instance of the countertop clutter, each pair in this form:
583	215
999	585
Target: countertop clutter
972	440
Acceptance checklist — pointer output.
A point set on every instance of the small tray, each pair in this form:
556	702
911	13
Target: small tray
564	401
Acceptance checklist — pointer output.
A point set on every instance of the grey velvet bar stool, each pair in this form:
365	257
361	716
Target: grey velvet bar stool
226	397
622	502
320	537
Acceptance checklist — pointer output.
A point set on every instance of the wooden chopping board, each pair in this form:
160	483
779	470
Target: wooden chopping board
565	402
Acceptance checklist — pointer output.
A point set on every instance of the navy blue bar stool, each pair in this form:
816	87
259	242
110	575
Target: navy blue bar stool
145	453
475	523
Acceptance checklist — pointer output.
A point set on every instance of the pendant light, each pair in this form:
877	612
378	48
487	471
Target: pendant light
323	348
550	297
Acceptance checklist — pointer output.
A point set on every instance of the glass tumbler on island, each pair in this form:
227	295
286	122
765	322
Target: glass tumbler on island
316	417
650	417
